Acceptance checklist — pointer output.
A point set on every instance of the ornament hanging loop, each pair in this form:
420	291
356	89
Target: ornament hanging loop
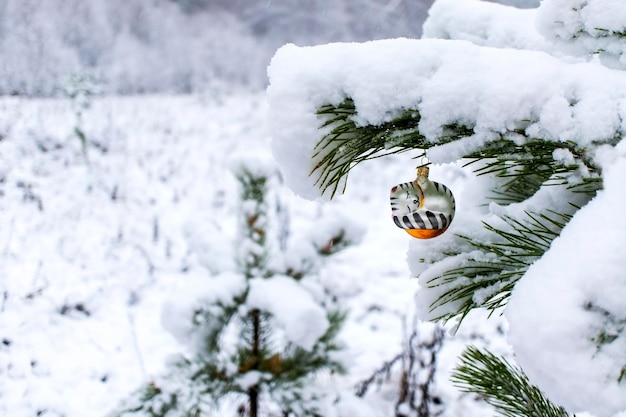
422	169
424	161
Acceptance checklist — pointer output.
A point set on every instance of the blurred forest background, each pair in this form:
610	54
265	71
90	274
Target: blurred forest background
179	46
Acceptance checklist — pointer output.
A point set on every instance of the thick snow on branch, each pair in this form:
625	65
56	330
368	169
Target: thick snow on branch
580	28
567	315
572	303
494	91
292	306
486	24
178	314
584	27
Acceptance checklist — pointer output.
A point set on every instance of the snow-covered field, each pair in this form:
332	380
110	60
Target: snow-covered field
94	241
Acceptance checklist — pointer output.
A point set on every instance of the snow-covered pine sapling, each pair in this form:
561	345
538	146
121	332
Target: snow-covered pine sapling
80	89
257	335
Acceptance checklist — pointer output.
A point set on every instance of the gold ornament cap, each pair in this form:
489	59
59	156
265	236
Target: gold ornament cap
422	171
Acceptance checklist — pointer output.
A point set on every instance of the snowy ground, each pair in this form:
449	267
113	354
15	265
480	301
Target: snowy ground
92	244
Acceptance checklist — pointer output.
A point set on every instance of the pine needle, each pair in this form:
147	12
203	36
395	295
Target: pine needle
529	166
346	145
502	385
524	166
488	284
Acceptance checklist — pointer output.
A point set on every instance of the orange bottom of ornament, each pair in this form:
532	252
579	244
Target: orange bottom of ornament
425	233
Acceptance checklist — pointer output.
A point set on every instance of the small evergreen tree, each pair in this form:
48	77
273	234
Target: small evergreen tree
259	334
80	89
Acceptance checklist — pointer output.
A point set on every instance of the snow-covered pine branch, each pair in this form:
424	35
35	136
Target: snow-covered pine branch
496	93
503	386
541	126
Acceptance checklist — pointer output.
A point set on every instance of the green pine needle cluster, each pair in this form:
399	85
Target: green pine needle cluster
481	283
526	167
502	385
254	189
521	168
347	144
